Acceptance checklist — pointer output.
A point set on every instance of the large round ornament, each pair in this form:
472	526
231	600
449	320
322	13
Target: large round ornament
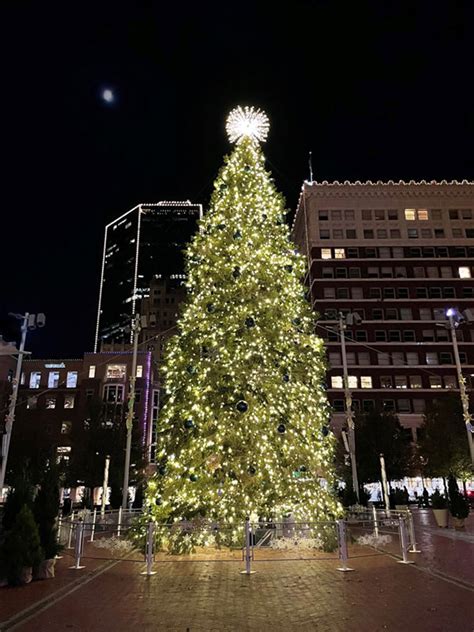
211	307
242	406
189	423
281	428
162	470
236	272
325	431
286	377
193	478
237	234
251	470
249	322
191	369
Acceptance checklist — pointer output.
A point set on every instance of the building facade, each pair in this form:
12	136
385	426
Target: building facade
399	255
143	244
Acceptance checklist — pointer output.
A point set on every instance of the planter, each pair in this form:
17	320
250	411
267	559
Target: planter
26	575
441	517
46	569
458	523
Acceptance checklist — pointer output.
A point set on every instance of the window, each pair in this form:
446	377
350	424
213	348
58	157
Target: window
379	215
408	335
113	393
375	292
365	381
442	252
470	233
464	272
354	273
383	359
373	273
377	314
392	214
327	273
353	253
400	381
324	234
342	293
336	381
385	253
448	292
386	381
431	357
337	233
415	381
419	272
419	405
394	335
352	380
402	292
326	253
412	358
445	357
450	381
92	370
435	292
439	313
66	427
453	213
466	213
69	401
382	233
351	357
71	379
435	381
335	359
391	313
53	379
432	272
368	234
426	233
406	313
338	405
442	335
89	394
329	292
425	313
395	233
410	214
422	214
35	379
380	335
361	336
371	253
115	371
351	234
436	213
398	358
457	233
339	253
412	233
138	396
139	370
50	403
366	214
428	252
323	215
32	402
459	251
389	292
439	233
336	215
364	358
368	405
404	406
386	272
468	292
357	293
421	292
341	273
463	357
388	404
349	214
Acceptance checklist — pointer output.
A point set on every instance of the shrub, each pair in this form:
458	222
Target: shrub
458	505
21	547
46	509
438	501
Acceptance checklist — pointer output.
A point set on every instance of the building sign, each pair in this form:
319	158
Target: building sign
60	365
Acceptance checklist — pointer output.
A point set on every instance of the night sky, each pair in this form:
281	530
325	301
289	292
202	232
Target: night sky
377	90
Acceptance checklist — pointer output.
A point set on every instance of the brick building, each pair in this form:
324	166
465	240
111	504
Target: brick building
399	255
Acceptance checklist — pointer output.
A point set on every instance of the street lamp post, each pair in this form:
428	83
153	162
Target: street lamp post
348	402
29	321
451	313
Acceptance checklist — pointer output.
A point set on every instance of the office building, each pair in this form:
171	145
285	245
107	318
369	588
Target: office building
399	255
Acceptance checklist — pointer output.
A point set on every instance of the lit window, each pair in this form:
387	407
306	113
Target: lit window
339	253
464	272
92	370
22	378
435	381
63	453
50	403
422	214
415	381
352	379
336	381
115	371
450	381
366	381
400	381
35	379
410	213
139	371
71	380
53	379
69	401
386	381
113	393
66	427
431	357
31	402
326	253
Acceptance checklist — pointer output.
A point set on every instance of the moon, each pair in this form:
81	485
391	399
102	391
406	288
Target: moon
107	95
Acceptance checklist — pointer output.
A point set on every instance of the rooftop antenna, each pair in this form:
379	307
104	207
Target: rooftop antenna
310	161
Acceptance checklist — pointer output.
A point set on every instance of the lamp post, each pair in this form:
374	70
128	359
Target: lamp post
343	322
29	322
451	313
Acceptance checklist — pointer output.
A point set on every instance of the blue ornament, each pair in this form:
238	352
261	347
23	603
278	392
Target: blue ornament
325	431
193	478
189	423
281	428
249	322
210	307
242	406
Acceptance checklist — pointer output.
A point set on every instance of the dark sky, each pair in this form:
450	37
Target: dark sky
377	90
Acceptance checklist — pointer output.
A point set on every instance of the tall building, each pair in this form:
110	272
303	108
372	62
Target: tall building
399	255
143	244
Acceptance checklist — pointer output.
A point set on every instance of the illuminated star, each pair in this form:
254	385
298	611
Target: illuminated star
247	122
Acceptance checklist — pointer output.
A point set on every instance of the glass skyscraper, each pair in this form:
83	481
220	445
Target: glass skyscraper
145	243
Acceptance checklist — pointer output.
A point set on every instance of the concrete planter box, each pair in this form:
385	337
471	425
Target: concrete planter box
441	517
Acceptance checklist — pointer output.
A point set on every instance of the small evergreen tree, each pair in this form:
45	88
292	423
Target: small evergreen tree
46	509
458	504
21	547
20	494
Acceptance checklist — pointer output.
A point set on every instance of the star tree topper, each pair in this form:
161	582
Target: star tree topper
247	122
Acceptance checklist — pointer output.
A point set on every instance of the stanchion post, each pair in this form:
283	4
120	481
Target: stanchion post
342	545
247	548
411	530
376	523
119	522
94	517
149	550
60	524
403	541
79	545
71	523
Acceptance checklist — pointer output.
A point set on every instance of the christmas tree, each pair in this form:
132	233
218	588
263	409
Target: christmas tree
244	426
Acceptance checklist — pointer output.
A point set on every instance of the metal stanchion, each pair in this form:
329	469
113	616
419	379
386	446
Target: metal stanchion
342	545
376	523
119	522
94	516
58	535
247	551
79	545
411	530
71	522
149	550
403	541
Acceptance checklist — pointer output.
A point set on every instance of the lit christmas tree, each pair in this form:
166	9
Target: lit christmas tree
244	427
